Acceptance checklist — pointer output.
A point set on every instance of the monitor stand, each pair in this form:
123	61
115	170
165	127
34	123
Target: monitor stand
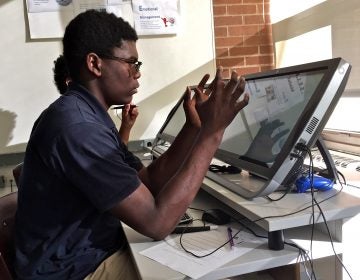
330	171
276	238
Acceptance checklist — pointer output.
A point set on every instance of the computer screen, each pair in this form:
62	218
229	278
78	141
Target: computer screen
287	106
172	125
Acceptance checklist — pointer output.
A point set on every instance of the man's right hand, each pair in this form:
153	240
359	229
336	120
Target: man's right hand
218	111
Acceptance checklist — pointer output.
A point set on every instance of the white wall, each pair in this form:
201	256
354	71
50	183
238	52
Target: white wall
170	64
311	30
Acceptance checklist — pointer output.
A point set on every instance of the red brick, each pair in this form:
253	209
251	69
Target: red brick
254	19
219	10
247	44
241	9
267	49
226	2
243	30
256	40
247	70
222	52
266	67
259	60
228	42
265	29
221	31
227	20
255	1
260	8
230	62
236	51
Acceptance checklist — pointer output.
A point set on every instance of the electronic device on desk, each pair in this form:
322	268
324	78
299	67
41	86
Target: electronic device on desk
186	219
287	111
216	216
306	182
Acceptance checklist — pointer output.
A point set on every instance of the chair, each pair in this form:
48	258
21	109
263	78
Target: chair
17	173
8	204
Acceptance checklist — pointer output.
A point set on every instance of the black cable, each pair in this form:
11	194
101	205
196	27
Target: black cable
304	254
205	255
331	240
251	221
293	176
301	250
288	190
322	213
311	176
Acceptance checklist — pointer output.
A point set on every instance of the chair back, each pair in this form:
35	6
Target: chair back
17	173
4	271
8	205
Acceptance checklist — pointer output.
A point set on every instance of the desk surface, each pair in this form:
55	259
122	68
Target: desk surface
341	205
296	227
258	259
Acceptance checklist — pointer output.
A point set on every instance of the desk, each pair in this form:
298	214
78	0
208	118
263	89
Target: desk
295	227
341	206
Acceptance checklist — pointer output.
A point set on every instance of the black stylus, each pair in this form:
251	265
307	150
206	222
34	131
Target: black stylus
193	229
122	107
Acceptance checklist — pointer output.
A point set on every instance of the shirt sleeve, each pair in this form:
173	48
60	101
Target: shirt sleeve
130	158
91	159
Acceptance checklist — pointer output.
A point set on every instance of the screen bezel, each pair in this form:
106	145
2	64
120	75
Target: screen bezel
329	67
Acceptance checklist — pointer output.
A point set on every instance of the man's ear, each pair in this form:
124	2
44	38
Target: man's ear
93	63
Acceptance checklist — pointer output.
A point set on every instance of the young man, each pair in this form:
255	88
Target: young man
79	180
62	80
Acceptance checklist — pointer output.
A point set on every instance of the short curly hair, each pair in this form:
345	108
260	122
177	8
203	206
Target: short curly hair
61	74
94	31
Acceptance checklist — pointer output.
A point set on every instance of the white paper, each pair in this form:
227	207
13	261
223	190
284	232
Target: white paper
153	17
39	6
48	18
170	253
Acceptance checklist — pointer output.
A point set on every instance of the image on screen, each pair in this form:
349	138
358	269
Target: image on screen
259	132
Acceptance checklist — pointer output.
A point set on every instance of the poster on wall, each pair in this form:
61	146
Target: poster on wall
156	17
48	18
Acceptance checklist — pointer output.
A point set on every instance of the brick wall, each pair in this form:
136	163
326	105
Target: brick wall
243	39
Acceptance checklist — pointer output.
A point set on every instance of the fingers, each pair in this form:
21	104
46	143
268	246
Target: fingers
129	110
187	95
125	110
242	103
217	85
234	89
200	96
239	89
203	81
212	85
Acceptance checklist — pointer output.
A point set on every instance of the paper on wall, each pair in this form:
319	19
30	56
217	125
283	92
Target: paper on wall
48	18
156	17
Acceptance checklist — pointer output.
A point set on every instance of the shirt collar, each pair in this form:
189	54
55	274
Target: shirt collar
85	95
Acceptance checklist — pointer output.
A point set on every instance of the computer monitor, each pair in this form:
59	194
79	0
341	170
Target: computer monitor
287	106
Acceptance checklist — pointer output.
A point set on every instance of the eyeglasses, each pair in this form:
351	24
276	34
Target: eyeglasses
133	62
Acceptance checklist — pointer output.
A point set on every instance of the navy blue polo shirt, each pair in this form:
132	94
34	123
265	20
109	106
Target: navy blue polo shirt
75	170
